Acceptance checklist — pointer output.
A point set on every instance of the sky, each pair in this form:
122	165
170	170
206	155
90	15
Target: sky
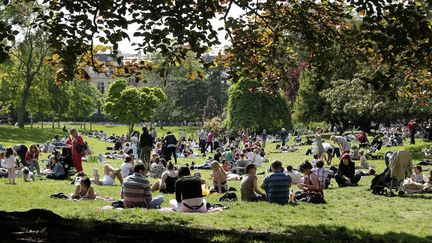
125	46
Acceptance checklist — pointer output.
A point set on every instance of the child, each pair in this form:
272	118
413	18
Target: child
27	175
3	171
416	182
363	161
322	174
9	163
295	175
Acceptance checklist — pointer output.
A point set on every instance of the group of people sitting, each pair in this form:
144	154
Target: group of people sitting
29	168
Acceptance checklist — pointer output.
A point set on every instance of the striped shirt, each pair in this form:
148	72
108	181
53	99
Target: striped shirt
277	186
136	191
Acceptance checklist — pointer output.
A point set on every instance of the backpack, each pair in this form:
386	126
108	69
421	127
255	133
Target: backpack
228	197
82	149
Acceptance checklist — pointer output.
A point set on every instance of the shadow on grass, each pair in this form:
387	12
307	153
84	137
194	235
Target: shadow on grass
41	226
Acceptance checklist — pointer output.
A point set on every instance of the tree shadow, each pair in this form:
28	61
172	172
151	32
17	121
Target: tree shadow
43	225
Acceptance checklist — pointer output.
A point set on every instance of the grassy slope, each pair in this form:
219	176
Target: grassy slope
362	213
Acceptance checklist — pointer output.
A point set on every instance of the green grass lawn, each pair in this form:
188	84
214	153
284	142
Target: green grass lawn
351	211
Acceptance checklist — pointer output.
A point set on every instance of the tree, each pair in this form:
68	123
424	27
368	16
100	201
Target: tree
129	105
250	107
85	99
211	109
31	52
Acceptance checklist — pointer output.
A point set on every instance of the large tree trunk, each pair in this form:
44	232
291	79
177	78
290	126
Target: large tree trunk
24	98
53	121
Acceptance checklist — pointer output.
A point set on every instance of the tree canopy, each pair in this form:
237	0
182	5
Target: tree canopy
130	105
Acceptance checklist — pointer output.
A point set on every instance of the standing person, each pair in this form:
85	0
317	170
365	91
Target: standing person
429	130
77	144
183	136
153	133
284	136
136	190
318	143
249	185
146	142
9	163
277	184
134	141
188	190
170	142
264	136
344	146
31	159
209	141
202	141
412	127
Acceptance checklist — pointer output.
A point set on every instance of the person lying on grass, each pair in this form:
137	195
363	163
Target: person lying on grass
84	190
249	185
345	175
277	184
167	182
220	184
110	174
136	190
189	195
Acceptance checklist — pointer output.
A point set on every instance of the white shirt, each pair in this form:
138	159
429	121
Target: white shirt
257	160
203	135
125	169
9	163
250	156
134	140
296	177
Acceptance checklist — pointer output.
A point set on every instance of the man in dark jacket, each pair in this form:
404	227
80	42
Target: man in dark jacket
146	143
170	143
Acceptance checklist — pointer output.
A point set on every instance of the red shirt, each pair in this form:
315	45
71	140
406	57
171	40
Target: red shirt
29	156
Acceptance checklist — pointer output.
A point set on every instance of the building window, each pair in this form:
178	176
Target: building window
101	87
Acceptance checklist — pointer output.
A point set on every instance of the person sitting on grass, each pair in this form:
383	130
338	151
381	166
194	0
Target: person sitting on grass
240	165
156	169
322	174
27	175
428	185
31	159
311	185
136	190
84	190
189	195
219	178
277	184
58	171
416	182
249	185
363	161
296	176
110	174
126	168
9	163
345	175
166	184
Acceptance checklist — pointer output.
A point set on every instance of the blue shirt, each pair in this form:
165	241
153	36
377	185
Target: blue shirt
58	170
277	187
